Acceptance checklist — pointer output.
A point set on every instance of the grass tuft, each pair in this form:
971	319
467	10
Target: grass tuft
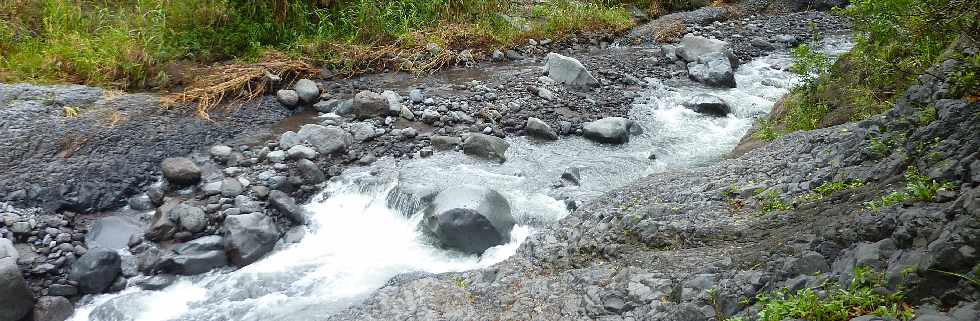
835	303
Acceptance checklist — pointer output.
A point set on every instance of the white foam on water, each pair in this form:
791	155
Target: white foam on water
355	242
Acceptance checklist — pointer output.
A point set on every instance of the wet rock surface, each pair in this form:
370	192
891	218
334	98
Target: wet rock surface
242	190
692	244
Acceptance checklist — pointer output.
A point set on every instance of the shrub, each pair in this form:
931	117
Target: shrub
918	188
828	188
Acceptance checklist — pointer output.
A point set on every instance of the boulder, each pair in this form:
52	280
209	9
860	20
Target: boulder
180	171
53	308
693	47
15	296
468	218
7	249
161	227
445	142
286	205
486	146
141	202
307	91
572	175
248	237
539	129
325	139
713	69
287	98
310	173
112	232
301	152
369	104
344	107
231	187
394	102
191	218
416	96
610	130
326	106
568	70
195	257
708	105
96	270
221	153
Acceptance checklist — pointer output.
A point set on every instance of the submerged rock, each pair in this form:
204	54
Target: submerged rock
709	105
52	308
469	219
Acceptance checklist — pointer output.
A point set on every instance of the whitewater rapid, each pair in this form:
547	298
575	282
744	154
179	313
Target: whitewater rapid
359	239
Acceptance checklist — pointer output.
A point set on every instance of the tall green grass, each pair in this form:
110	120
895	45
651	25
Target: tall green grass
131	44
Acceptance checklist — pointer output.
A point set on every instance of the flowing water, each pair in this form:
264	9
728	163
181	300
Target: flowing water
363	233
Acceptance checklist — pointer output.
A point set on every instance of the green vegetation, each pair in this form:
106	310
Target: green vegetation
896	41
883	144
835	303
918	188
138	44
771	201
828	188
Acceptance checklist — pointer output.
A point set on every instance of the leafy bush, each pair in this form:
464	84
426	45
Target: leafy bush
835	303
771	201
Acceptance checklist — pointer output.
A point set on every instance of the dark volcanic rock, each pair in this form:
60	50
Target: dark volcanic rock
14	293
286	205
52	308
96	270
180	171
611	130
369	104
486	146
709	105
248	237
469	218
539	129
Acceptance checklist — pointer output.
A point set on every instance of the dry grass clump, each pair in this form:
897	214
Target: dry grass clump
669	31
237	82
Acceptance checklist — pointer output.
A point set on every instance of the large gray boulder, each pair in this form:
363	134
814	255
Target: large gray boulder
568	70
180	171
539	129
325	139
248	237
468	218
16	299
7	249
52	308
713	69
287	206
307	91
693	47
610	130
287	98
191	218
195	257
96	270
112	232
310	173
708	105
445	142
369	104
486	146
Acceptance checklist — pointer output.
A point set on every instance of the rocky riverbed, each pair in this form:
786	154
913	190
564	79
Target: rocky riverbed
222	194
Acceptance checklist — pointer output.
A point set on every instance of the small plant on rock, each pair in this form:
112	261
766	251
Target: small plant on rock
918	188
835	303
828	188
771	201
